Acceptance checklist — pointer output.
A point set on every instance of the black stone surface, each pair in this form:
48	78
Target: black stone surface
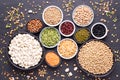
5	6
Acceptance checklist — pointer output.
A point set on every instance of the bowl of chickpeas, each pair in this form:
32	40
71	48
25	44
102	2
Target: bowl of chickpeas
83	15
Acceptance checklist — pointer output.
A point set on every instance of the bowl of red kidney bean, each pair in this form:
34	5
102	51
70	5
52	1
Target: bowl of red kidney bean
67	28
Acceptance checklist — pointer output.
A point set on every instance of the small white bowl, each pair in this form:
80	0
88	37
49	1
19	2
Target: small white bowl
74	53
106	30
89	22
69	34
55	15
41	40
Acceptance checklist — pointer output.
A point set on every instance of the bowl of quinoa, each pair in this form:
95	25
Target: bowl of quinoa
83	15
95	58
52	16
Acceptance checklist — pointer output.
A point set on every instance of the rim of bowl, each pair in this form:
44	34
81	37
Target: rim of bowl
73	29
73	54
32	67
85	40
106	30
38	30
56	54
96	75
41	40
45	20
90	20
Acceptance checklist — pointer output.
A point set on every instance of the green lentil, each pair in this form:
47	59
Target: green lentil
82	35
50	37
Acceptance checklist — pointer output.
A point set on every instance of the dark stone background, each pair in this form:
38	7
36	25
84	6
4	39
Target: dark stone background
7	68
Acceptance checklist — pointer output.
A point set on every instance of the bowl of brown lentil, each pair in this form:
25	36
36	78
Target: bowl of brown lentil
83	15
34	25
102	63
52	16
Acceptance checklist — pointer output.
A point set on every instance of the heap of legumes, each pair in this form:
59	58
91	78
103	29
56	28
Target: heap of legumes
52	59
82	35
96	57
49	37
52	15
83	15
67	48
67	28
25	50
34	25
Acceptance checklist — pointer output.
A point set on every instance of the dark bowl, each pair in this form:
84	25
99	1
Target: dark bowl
57	55
38	30
86	39
22	68
96	75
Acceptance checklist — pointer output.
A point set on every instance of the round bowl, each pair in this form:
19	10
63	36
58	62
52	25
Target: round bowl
41	40
89	22
32	67
30	31
55	15
86	39
72	55
106	29
69	34
48	63
91	74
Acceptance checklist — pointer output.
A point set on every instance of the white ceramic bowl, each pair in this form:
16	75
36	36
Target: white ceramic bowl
55	15
44	44
73	54
91	19
106	30
69	34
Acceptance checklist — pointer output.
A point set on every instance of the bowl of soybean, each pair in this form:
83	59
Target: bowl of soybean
49	37
82	35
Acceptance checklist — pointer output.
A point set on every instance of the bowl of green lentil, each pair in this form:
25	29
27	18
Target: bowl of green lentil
49	37
81	35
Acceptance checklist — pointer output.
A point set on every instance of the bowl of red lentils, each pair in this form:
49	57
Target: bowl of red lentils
83	15
52	16
67	28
